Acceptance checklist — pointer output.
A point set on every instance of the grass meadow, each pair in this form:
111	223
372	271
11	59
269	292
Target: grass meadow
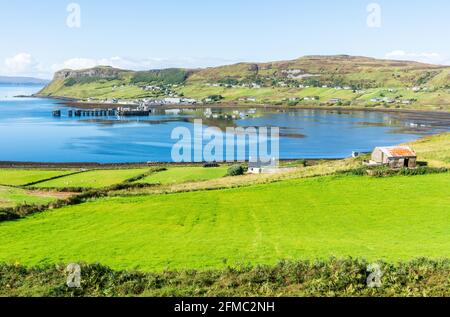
185	174
93	179
19	177
11	197
392	218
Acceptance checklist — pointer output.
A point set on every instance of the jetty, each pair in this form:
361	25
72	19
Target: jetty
121	112
87	113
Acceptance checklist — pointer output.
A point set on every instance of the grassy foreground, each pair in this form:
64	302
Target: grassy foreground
396	218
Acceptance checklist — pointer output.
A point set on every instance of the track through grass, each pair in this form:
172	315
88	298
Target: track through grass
92	179
20	177
185	174
395	218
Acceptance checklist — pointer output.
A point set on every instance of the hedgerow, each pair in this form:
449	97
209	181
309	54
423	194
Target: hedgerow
384	171
342	278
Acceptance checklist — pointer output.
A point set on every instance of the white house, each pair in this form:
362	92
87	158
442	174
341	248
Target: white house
172	100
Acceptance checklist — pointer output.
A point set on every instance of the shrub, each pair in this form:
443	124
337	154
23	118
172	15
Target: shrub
210	165
215	98
303	163
334	277
236	170
385	171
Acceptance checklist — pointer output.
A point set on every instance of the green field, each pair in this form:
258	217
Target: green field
93	179
393	218
184	174
11	197
18	177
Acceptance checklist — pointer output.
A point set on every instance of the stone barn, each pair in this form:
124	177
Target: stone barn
395	156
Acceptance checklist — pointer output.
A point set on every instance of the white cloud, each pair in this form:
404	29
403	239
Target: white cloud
24	64
21	64
75	63
139	64
424	57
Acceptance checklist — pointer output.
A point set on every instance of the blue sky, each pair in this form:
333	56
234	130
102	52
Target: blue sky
143	34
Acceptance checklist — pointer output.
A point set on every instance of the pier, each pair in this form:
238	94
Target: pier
87	113
140	111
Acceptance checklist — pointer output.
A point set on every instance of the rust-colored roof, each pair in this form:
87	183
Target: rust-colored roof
399	151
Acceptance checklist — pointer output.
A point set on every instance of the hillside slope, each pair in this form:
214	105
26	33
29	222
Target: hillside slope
345	69
342	78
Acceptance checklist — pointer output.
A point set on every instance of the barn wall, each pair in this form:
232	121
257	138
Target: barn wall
377	156
412	163
397	163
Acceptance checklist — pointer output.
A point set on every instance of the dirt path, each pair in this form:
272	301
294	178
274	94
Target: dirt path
59	195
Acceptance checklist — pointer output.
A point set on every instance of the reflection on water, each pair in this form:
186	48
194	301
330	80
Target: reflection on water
30	133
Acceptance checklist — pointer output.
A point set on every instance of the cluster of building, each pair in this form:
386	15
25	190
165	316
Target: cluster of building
148	101
236	114
250	85
392	100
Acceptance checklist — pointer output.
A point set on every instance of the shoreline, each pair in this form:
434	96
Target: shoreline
92	165
438	118
73	102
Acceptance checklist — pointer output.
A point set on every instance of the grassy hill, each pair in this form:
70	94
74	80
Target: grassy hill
324	77
336	70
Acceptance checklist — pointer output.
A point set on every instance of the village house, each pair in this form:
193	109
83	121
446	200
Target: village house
271	167
172	100
251	99
311	98
388	100
394	157
188	100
